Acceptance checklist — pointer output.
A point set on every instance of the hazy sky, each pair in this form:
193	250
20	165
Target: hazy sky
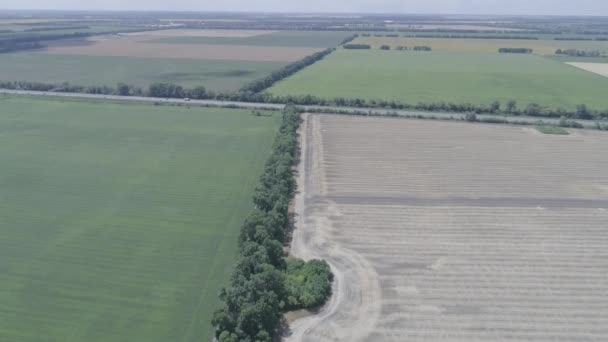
556	7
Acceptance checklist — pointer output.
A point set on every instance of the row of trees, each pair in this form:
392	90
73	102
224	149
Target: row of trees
264	283
57	28
451	36
415	48
578	53
267	82
168	90
357	46
515	50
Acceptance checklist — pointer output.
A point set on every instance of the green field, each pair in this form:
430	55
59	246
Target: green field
95	70
317	39
413	77
120	221
543	47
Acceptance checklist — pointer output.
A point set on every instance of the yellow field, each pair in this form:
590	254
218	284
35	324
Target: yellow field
542	47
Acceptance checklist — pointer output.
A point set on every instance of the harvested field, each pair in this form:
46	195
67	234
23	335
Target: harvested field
454	232
596	68
134	46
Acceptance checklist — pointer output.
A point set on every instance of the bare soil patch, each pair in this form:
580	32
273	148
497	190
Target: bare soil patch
596	68
134	46
453	232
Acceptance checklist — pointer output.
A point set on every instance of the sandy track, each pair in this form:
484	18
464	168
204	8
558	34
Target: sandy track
453	232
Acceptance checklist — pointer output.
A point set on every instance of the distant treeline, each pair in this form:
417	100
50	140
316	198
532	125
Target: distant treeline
56	28
12	43
578	53
265	283
515	50
581	38
6	47
450	36
357	46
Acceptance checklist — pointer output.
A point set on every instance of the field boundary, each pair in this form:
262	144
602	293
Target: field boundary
361	111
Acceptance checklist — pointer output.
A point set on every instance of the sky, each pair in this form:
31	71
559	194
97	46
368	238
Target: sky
519	7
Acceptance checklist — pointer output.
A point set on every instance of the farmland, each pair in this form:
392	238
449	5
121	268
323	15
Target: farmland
542	47
218	75
283	38
453	231
120	221
414	77
136	60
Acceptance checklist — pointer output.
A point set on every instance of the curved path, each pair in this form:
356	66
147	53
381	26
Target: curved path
354	307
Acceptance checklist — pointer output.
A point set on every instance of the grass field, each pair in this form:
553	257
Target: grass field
543	47
413	77
318	39
98	70
120	221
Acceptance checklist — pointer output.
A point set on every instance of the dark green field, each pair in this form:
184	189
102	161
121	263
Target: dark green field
106	70
317	39
120	221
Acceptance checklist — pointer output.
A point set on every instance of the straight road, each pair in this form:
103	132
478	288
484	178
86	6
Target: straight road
278	106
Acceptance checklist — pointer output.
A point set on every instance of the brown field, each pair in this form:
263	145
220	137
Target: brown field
136	46
596	68
441	231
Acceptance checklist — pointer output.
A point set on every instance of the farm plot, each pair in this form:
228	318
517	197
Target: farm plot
542	47
315	39
454	232
120	221
413	77
215	75
134	59
140	46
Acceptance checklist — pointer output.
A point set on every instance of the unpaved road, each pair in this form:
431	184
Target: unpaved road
440	231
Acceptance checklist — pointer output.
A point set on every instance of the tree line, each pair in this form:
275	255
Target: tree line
265	283
578	53
357	46
169	90
515	50
268	81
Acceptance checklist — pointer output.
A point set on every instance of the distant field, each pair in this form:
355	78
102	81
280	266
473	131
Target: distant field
120	221
316	39
469	45
596	68
98	70
448	27
413	77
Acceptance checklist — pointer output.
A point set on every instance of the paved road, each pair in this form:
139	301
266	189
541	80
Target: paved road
273	106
